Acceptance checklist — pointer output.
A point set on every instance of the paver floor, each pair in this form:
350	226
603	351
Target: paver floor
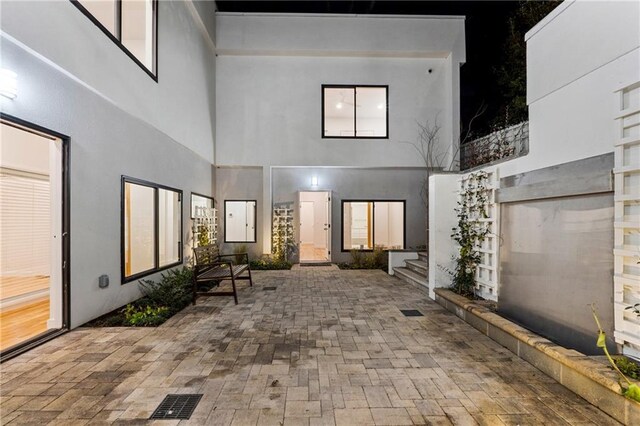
326	347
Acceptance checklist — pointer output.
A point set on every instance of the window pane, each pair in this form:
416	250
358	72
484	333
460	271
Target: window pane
357	221
169	218
371	112
239	217
200	201
137	30
389	225
104	11
339	112
139	228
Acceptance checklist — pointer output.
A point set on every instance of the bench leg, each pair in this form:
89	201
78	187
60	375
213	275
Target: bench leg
235	293
250	280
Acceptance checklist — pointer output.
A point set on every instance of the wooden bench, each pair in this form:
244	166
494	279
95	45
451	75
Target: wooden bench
211	268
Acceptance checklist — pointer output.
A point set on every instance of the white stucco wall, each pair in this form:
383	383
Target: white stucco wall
443	195
59	32
576	58
270	70
74	80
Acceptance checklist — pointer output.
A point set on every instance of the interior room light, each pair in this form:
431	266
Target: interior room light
339	105
314	181
8	83
380	106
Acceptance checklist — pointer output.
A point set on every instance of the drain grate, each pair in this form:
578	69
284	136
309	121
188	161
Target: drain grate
177	406
268	288
411	313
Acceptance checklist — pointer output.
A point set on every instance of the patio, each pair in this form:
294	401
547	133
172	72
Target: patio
325	347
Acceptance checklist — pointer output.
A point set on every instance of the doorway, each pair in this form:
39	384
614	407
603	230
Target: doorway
315	226
34	229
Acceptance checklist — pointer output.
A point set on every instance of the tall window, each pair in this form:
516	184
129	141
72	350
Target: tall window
239	221
369	224
151	228
355	111
131	24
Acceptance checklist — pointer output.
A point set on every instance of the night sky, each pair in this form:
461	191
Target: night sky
486	30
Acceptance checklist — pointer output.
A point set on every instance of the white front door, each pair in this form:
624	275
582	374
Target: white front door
315	226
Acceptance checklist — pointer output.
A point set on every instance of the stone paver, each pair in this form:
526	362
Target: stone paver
326	347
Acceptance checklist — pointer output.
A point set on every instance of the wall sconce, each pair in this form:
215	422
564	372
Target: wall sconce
314	181
8	83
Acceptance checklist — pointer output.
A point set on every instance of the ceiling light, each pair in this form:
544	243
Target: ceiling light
380	106
339	105
8	83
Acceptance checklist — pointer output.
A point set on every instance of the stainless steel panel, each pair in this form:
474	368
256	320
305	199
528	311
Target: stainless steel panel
556	259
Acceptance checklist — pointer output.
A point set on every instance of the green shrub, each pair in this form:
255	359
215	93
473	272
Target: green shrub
145	316
270	263
174	290
628	367
376	259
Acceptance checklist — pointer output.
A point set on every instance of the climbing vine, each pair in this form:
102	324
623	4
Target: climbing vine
470	231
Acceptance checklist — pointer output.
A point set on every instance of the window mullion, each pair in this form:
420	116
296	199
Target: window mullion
156	236
118	18
355	119
373	225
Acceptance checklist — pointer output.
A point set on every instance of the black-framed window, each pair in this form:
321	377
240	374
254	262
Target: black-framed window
151	228
240	221
131	24
373	223
355	111
199	200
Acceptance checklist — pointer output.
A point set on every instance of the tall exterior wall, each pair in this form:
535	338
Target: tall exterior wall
576	58
270	71
271	68
74	80
63	35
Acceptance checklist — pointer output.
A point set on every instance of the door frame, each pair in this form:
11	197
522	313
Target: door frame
329	227
65	240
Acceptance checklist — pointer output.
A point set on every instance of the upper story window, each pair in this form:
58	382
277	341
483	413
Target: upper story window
131	24
356	112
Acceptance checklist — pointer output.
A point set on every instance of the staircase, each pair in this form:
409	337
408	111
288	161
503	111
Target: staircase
415	272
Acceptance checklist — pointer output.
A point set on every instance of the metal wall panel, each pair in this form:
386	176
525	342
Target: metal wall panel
556	260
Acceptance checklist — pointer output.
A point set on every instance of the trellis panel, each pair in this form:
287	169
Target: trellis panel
627	218
487	272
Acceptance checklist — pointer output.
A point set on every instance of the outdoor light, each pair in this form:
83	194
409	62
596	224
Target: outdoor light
314	181
8	83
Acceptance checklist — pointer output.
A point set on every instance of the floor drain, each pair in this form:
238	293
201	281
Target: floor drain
177	406
268	288
411	313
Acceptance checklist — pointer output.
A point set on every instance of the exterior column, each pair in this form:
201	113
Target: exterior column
267	208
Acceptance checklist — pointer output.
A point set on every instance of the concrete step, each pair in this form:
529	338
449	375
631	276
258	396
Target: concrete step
422	255
411	277
418	266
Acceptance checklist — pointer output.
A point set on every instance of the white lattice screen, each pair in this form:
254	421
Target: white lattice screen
627	218
205	220
487	270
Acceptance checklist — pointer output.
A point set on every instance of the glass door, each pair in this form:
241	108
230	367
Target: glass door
32	295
